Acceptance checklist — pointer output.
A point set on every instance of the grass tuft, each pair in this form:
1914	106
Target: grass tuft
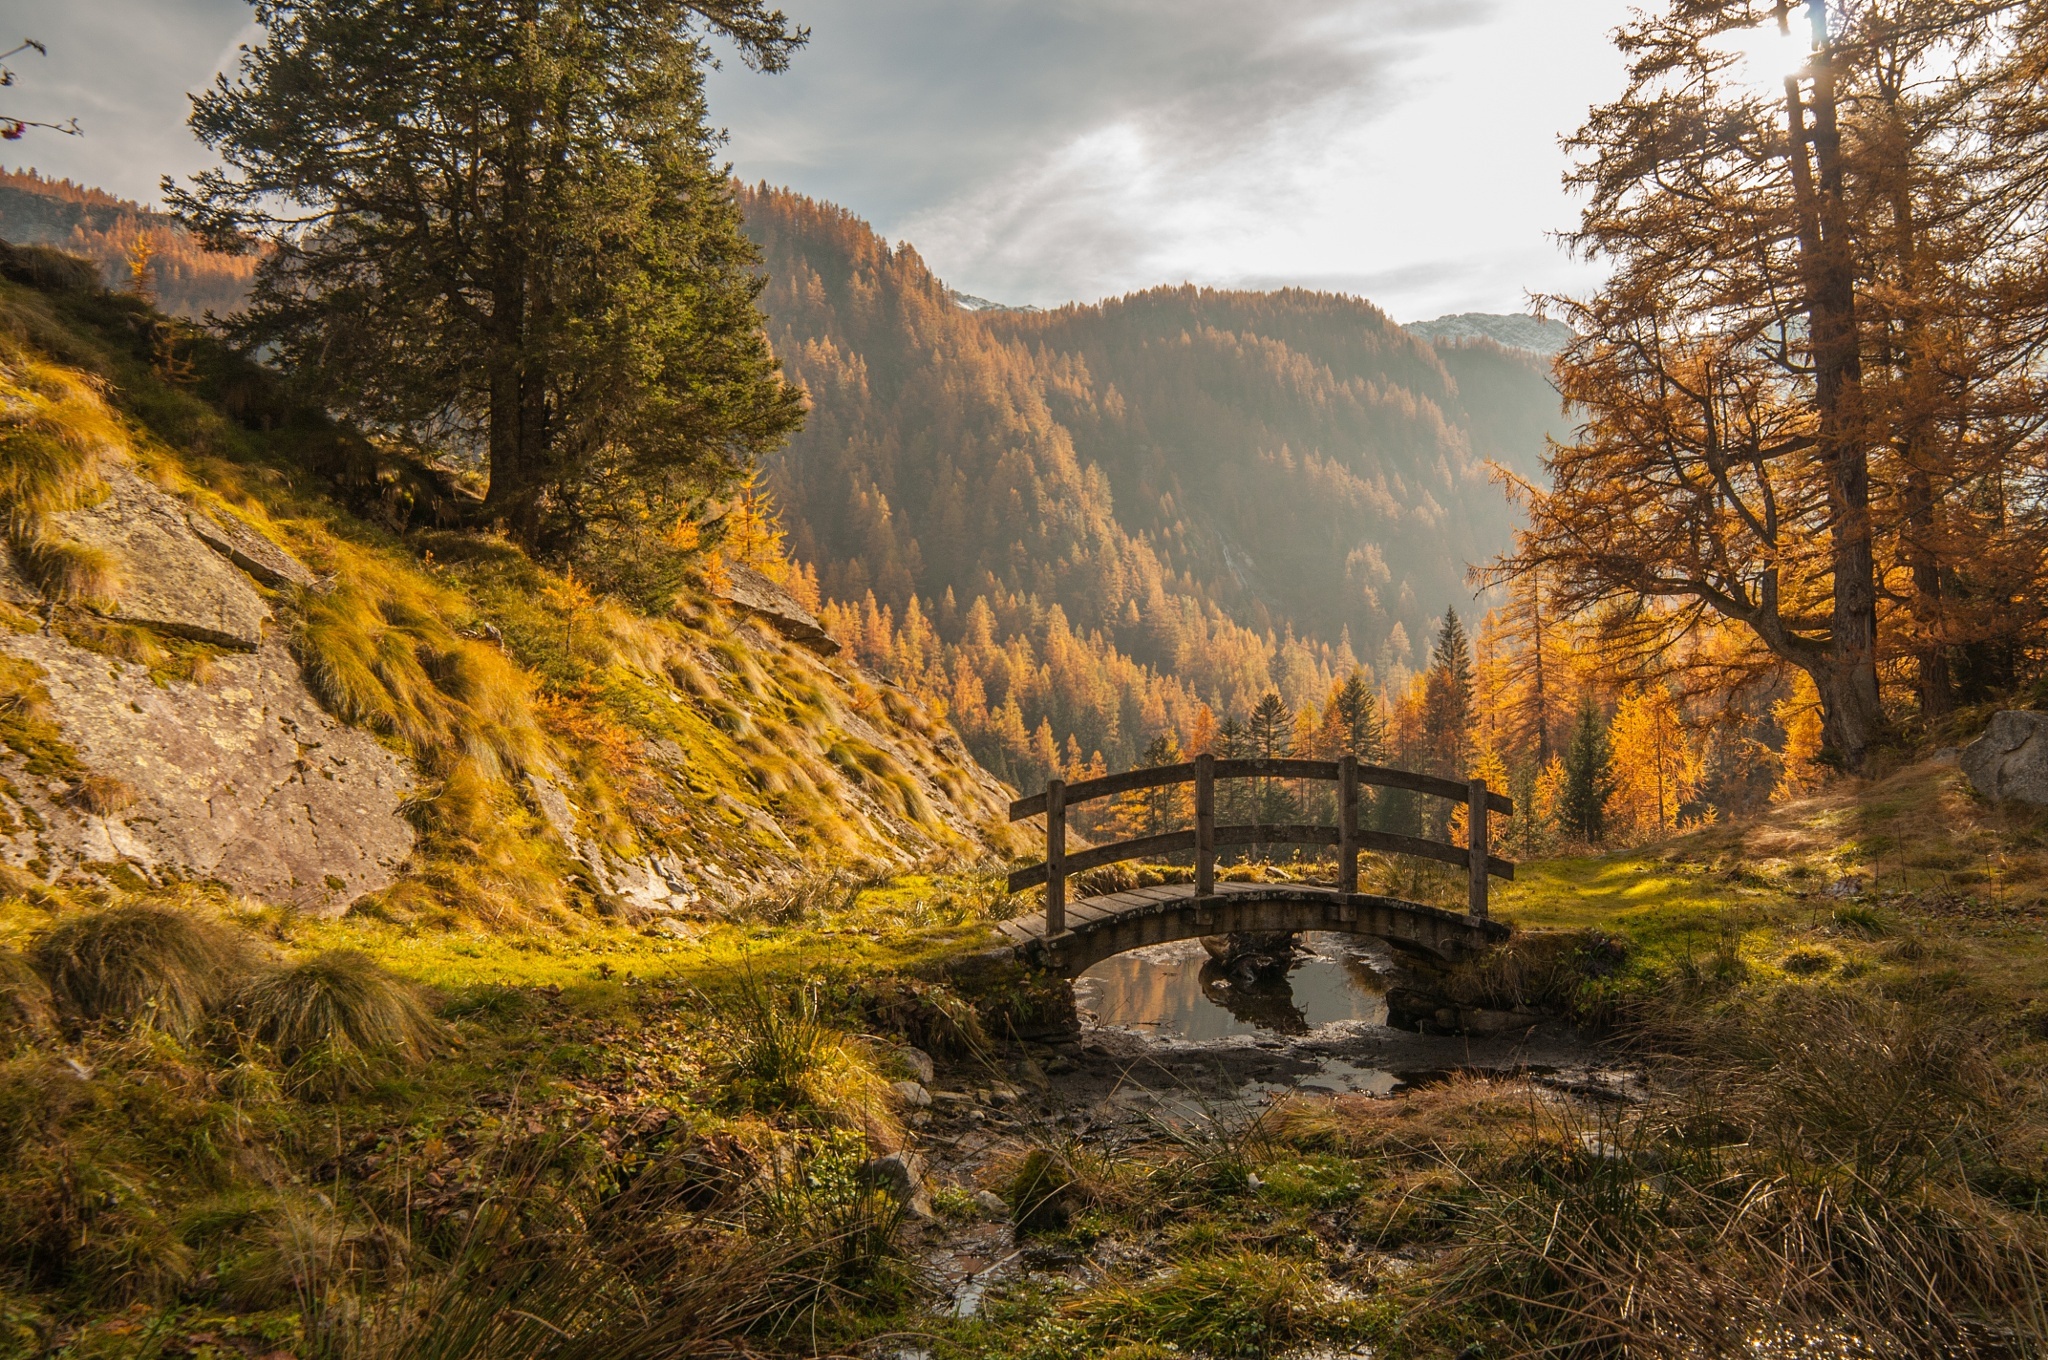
147	966
339	1021
26	1009
781	1053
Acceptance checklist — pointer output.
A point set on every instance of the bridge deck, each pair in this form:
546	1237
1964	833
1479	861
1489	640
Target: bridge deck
1100	926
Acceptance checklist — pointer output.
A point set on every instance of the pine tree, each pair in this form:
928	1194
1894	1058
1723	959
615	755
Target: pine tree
1154	812
1352	723
506	221
1587	784
1447	700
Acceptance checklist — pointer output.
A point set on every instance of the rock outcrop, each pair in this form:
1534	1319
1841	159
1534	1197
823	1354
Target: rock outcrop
2009	763
758	595
167	577
242	779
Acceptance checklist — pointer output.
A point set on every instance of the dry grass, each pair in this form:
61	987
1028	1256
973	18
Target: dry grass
1821	1165
148	966
27	1013
781	1053
56	432
338	1021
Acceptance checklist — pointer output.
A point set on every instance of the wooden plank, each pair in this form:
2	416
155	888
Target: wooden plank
1205	824
1055	857
1388	778
1476	861
1382	776
1347	825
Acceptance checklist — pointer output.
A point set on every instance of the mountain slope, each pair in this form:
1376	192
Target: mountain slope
115	234
1191	477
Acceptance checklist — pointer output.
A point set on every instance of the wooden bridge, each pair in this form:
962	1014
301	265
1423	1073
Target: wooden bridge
1072	936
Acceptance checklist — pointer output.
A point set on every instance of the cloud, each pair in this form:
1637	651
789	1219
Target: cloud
1046	151
122	68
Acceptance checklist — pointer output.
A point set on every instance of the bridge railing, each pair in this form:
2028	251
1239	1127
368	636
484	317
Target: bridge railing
1206	838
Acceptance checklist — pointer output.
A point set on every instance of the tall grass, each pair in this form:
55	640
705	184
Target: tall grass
149	966
644	1275
26	1009
1819	1172
56	433
782	1053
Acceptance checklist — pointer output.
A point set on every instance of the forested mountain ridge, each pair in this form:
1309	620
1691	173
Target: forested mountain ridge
119	235
1116	513
1112	514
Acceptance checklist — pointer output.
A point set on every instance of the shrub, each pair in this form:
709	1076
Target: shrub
143	965
339	1020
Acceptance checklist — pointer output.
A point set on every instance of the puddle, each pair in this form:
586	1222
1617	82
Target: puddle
1175	991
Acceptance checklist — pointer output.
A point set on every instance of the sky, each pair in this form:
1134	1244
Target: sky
1045	151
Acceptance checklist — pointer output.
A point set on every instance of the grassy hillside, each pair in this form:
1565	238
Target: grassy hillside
633	1143
693	735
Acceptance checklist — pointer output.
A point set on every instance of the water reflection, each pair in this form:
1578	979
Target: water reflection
1176	991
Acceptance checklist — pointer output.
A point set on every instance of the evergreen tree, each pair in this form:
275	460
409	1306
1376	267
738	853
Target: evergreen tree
1153	812
1269	735
500	224
1588	784
1352	725
1447	700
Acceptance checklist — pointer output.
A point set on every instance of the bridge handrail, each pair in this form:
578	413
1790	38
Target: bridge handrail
1159	776
1173	842
1207	837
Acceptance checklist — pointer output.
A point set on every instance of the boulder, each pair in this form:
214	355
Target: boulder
756	594
168	578
249	550
900	1176
2009	763
242	779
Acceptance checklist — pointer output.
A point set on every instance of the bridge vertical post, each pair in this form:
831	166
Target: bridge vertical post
1055	857
1475	821
1347	825
1205	825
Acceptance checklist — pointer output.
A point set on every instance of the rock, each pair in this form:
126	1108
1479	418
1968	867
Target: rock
991	1204
912	1094
1251	952
169	579
249	550
918	1061
243	779
2009	763
756	594
900	1175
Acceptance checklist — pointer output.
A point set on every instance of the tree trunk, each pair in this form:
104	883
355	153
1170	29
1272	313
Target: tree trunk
1853	713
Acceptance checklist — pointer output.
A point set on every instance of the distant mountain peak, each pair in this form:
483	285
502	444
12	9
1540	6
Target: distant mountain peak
968	302
1538	335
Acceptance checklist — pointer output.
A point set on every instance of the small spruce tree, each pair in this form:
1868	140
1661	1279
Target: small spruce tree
1588	782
